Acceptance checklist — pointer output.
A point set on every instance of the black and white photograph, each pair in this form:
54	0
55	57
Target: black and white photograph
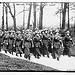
37	36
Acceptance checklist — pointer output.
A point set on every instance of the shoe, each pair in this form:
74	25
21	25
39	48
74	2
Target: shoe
5	51
20	55
29	57
16	55
69	55
12	53
43	55
58	59
48	56
38	57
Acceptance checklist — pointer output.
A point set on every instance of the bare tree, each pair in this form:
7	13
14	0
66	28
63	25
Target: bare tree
6	10
41	16
74	27
29	16
3	17
34	24
23	16
13	15
61	15
68	15
64	15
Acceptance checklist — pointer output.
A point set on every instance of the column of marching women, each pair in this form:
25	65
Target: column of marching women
38	43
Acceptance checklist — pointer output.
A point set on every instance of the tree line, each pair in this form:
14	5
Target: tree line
63	9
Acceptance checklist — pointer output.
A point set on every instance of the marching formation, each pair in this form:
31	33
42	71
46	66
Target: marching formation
37	42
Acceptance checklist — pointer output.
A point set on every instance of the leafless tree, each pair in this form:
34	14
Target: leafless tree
3	17
68	15
13	15
6	10
34	24
29	16
41	16
64	15
23	16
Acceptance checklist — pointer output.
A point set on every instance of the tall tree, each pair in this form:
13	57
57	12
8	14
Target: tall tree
64	15
6	10
34	24
3	17
68	16
61	15
29	16
23	16
14	19
74	27
41	16
13	15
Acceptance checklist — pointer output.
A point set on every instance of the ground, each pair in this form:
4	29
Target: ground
15	64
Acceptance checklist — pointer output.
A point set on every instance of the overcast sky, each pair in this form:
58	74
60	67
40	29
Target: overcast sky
50	19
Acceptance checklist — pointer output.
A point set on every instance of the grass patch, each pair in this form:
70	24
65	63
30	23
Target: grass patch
14	64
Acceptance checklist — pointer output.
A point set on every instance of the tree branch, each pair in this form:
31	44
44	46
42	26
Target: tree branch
22	11
43	5
9	9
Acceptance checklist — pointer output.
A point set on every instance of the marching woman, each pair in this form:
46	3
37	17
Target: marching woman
57	46
37	45
5	41
18	41
67	42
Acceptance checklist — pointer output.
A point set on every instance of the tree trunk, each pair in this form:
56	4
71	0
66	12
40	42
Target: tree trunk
6	18
60	18
24	17
68	17
41	17
12	15
74	27
14	18
3	18
29	16
64	16
34	25
61	15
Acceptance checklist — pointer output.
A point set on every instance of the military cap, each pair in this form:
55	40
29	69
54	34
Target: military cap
36	29
57	31
27	30
18	32
67	32
23	31
12	31
45	29
6	32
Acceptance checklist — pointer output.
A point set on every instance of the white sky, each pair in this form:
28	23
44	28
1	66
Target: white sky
50	19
